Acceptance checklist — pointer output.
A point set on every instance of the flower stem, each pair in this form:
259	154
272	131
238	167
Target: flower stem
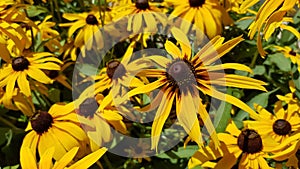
107	162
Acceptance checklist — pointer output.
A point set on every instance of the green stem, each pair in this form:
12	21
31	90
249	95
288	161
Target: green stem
107	162
252	65
8	123
52	9
57	10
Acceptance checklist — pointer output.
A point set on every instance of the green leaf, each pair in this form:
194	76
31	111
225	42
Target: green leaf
259	70
54	95
87	69
244	24
35	10
261	99
222	115
180	153
280	61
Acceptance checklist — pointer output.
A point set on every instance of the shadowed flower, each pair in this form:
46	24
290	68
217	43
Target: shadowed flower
96	123
28	160
181	77
59	128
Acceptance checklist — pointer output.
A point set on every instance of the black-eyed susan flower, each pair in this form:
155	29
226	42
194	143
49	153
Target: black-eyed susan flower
291	98
279	125
97	123
181	77
117	76
291	54
59	128
88	26
139	151
31	65
18	102
207	15
270	16
247	145
28	160
141	14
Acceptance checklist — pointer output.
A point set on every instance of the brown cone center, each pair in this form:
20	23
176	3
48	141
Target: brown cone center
20	63
142	4
293	53
282	127
181	73
41	122
91	19
196	3
88	107
115	69
249	141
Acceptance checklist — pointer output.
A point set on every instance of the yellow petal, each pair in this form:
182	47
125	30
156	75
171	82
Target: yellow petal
183	41
89	160
46	159
27	158
66	159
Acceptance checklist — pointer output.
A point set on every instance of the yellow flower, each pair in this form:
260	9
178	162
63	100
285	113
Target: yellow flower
291	54
207	15
246	145
139	151
88	25
183	76
116	76
97	123
290	98
48	34
59	128
28	159
279	126
269	17
141	14
17	70
18	102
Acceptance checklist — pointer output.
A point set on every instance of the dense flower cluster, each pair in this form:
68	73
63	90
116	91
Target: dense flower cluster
85	75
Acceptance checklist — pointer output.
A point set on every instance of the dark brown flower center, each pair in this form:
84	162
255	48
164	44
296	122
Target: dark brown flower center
115	69
52	74
196	3
138	150
20	63
41	122
25	25
181	73
91	20
88	107
142	4
249	141
282	127
292	53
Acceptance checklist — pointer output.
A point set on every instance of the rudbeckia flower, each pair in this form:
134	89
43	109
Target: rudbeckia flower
207	15
18	102
28	160
290	98
279	126
246	145
141	14
89	25
182	76
139	151
291	54
17	70
116	76
269	17
59	128
96	123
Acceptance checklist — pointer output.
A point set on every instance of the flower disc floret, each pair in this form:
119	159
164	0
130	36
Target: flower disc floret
282	127
142	4
91	20
196	3
115	69
249	141
20	63
41	122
